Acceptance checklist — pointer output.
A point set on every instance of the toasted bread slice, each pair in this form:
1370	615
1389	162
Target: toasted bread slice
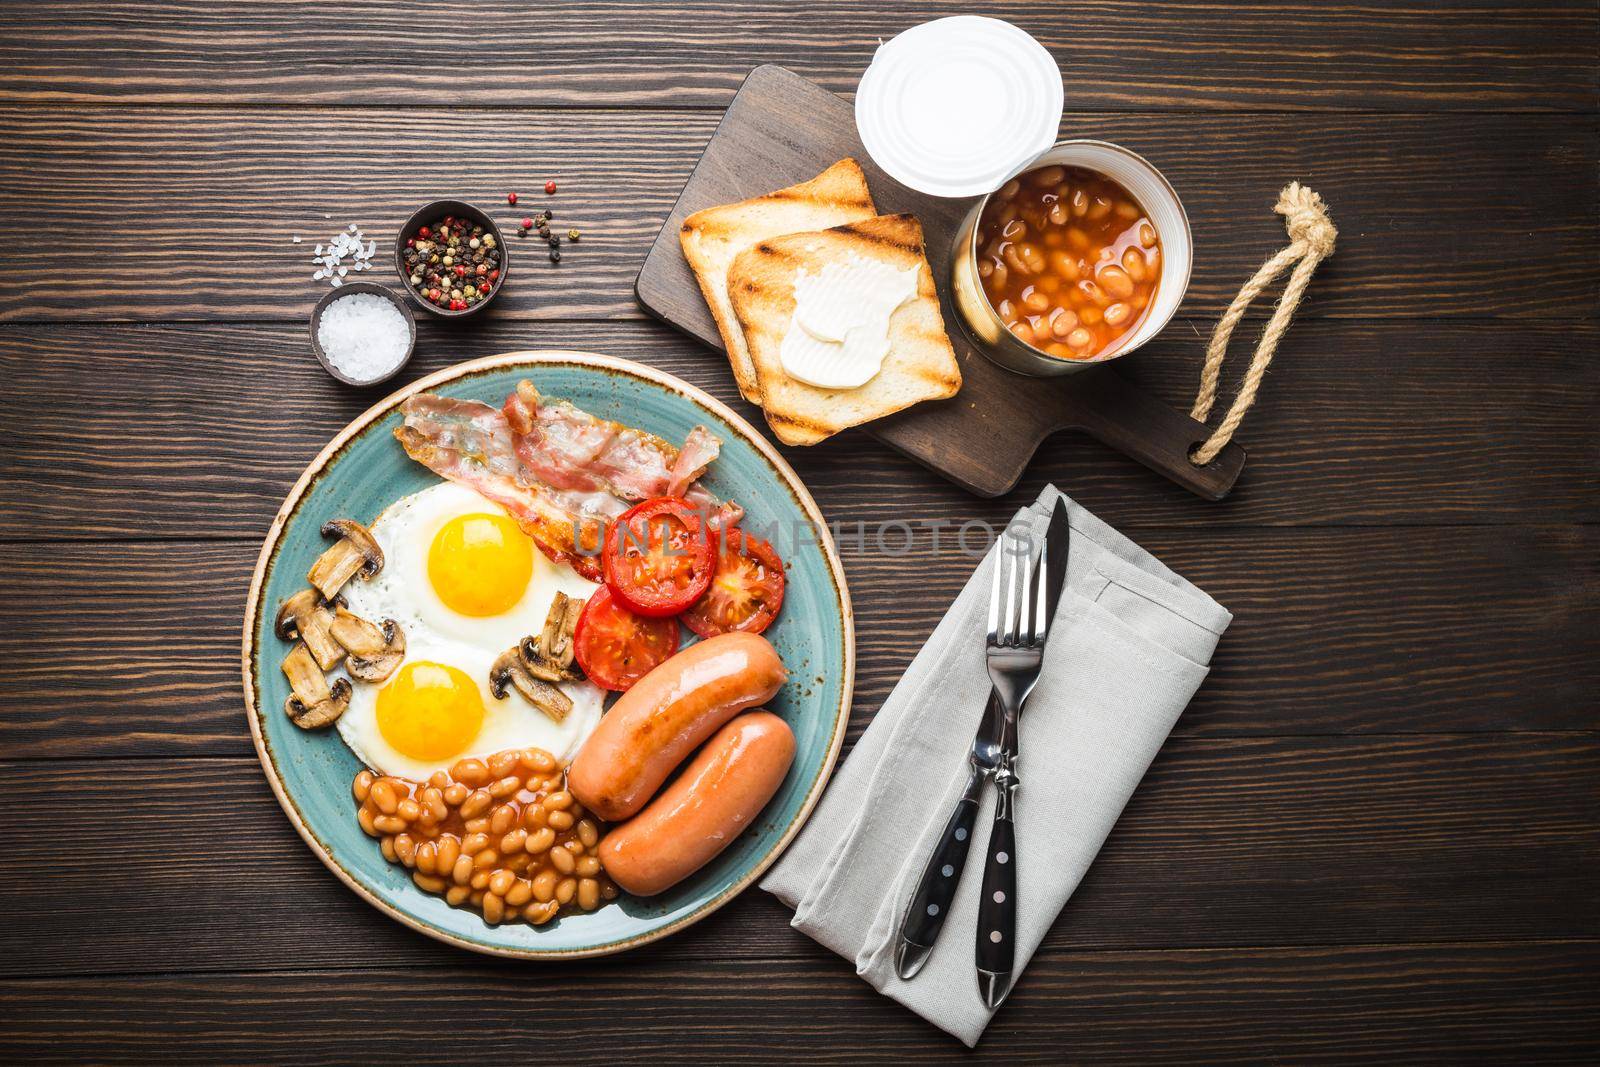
711	238
920	365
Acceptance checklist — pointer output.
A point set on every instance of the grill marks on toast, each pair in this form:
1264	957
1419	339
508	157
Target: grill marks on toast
921	364
713	237
845	199
894	238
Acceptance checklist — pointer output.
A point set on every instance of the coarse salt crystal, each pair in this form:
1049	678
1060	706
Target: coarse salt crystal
296	238
347	245
364	336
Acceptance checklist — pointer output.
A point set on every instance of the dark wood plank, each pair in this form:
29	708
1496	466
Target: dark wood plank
1462	54
1335	631
1522	1003
1434	211
130	649
1486	424
1227	843
1230	915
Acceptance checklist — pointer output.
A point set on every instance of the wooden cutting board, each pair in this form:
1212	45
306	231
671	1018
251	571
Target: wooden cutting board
781	129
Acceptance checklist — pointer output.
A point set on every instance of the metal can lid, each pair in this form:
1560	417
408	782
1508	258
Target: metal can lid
955	106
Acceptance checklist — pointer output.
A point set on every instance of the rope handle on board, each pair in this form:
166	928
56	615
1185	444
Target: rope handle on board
1311	239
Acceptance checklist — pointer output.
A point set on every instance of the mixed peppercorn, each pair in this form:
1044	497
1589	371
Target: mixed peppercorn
540	224
454	263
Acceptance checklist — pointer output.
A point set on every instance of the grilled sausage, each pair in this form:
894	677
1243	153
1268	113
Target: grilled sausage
666	715
719	794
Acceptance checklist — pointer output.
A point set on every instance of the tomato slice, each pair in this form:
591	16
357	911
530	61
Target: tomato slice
659	557
745	593
616	647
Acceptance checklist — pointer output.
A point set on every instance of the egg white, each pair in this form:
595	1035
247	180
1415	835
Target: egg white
434	632
403	591
509	723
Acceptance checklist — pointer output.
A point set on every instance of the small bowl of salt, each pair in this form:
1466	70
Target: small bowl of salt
362	333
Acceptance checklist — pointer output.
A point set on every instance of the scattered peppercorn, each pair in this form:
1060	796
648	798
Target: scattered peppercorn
440	258
549	188
539	223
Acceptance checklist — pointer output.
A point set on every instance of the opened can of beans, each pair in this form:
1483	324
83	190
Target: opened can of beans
1079	251
1080	257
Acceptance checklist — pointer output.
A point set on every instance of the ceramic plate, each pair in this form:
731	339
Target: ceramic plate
364	469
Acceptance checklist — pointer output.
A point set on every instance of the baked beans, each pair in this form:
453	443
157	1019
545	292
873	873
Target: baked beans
502	835
1068	260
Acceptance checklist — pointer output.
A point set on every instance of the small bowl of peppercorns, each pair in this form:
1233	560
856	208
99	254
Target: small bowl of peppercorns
452	258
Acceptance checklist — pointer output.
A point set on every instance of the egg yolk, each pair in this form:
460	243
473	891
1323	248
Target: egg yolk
430	711
480	564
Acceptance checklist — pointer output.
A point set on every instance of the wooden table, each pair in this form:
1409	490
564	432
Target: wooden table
1374	835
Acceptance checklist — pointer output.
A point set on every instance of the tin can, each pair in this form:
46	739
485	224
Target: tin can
1165	212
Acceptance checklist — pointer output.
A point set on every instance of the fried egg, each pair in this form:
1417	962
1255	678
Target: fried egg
459	566
465	584
436	708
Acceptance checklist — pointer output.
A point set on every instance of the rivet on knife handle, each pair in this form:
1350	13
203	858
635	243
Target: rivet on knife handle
997	907
930	904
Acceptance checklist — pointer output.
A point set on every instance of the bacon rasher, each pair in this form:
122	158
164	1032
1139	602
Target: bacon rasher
564	447
469	442
559	471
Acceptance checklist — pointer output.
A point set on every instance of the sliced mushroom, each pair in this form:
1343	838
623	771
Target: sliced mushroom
555	643
510	672
313	704
558	638
355	552
305	617
535	663
374	653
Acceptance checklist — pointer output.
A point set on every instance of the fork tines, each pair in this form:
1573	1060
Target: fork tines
1023	623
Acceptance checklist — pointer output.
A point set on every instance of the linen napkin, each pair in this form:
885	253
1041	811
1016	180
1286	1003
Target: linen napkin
1128	647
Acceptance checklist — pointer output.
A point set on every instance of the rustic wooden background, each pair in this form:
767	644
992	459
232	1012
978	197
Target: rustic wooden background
1374	835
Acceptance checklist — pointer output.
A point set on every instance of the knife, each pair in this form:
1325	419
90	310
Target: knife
930	904
997	906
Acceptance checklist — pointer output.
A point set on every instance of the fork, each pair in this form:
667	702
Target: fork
1014	650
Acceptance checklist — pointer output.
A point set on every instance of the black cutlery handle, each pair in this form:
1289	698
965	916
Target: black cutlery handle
997	908
937	888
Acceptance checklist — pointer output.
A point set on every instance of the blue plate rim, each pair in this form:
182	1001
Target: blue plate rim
534	358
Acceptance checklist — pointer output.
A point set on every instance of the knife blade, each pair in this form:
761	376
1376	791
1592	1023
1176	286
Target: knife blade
1057	544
